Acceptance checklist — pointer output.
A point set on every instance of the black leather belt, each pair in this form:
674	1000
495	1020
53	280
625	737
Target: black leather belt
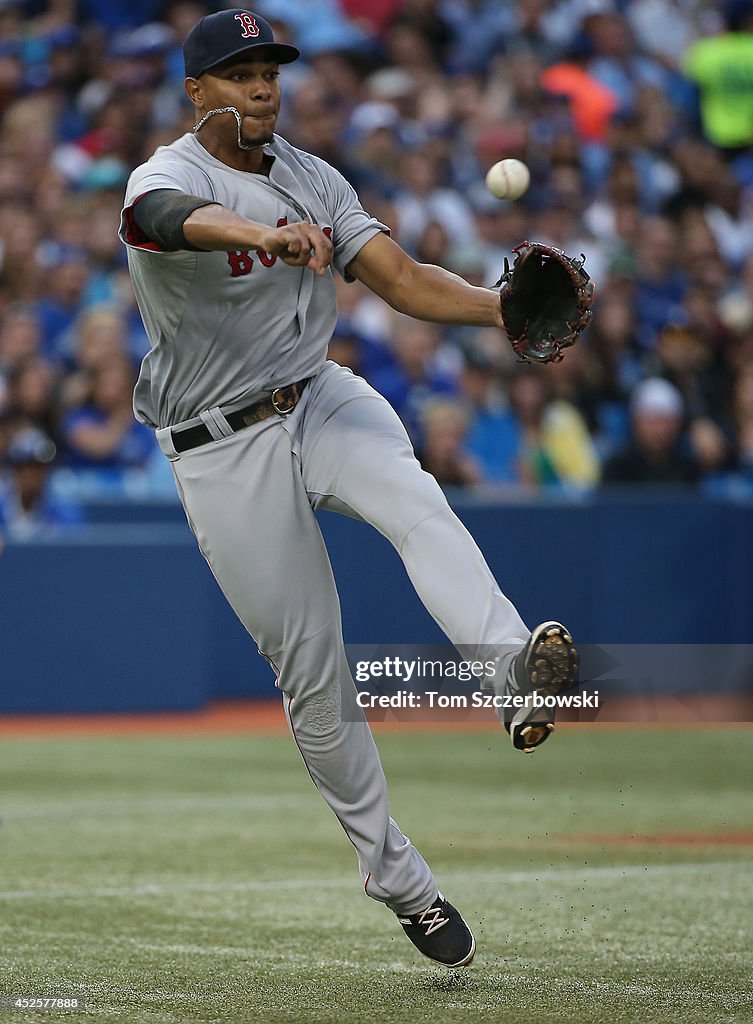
280	402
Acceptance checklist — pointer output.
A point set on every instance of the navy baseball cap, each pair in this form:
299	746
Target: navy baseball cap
234	33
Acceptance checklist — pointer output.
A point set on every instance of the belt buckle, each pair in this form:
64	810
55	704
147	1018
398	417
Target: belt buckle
283	410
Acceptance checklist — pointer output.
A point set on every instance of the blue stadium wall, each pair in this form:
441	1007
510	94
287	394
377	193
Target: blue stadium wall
129	618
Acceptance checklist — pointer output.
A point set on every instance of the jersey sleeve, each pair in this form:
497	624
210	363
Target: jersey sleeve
156	174
352	226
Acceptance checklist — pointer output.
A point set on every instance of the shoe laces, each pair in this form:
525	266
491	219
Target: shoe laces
432	919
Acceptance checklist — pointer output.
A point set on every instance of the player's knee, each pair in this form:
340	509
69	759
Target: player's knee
314	673
318	715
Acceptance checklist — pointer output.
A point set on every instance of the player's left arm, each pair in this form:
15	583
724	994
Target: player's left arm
421	290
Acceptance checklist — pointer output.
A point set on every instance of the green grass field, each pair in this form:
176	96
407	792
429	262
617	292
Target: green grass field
175	879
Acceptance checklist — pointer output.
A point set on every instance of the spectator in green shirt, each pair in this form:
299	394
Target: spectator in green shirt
722	68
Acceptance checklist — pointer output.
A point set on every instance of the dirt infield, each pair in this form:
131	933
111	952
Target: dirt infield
266	716
225	718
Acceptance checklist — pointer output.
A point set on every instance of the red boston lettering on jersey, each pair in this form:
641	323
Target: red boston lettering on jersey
266	259
249	26
240	262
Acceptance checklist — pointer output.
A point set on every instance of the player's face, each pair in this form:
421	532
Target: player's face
253	87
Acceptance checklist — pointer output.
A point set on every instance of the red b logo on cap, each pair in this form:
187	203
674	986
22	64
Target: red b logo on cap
250	28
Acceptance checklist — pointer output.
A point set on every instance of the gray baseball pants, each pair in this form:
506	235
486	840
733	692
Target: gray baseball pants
250	498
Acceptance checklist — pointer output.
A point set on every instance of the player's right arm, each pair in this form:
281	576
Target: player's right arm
177	221
299	245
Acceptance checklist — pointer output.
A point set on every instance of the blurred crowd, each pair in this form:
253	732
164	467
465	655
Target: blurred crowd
636	119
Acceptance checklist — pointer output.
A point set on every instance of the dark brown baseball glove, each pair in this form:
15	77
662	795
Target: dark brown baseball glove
546	299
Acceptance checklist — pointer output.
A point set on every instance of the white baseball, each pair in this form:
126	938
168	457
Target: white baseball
508	179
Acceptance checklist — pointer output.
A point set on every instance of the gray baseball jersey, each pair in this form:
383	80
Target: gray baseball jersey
225	327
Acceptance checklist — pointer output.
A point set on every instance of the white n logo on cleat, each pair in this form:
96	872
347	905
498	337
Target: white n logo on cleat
433	919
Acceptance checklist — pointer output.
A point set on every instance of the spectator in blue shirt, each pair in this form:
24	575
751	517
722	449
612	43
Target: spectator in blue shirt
660	285
58	309
415	375
494	436
28	503
101	433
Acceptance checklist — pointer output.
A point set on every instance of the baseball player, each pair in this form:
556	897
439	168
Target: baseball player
233	240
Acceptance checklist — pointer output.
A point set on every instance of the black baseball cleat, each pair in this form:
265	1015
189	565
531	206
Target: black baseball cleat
547	665
441	934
